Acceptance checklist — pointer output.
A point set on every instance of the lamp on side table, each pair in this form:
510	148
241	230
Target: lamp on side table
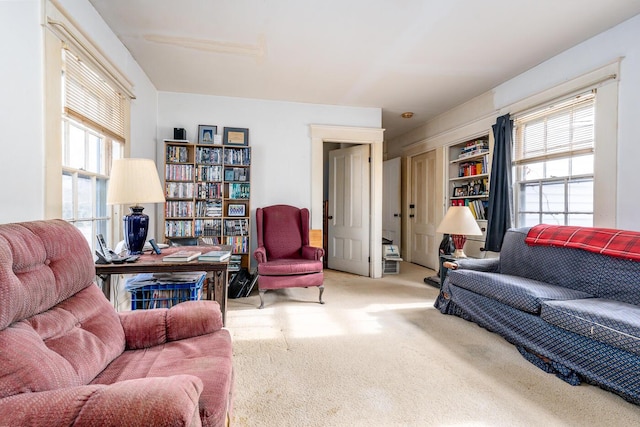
134	181
459	223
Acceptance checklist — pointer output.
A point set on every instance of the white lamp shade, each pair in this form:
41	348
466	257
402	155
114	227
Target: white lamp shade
134	181
459	220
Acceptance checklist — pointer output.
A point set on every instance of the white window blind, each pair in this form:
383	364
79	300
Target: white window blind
88	98
565	128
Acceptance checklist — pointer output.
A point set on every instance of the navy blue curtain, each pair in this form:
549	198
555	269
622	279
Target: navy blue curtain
501	192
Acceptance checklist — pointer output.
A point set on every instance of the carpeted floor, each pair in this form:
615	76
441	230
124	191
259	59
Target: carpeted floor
378	354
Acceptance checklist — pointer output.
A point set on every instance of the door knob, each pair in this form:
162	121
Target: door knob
330	217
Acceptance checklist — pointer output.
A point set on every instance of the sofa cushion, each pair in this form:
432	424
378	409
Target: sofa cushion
518	292
208	357
611	322
286	267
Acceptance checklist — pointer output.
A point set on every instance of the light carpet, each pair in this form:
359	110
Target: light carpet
379	354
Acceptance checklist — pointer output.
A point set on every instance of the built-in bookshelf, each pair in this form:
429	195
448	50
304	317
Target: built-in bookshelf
208	191
468	181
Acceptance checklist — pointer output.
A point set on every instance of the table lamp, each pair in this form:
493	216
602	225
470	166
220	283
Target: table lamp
459	223
134	181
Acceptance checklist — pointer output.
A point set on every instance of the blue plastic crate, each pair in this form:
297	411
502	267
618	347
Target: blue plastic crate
162	294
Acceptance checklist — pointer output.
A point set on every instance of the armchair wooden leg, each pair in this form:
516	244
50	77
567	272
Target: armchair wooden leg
261	292
321	288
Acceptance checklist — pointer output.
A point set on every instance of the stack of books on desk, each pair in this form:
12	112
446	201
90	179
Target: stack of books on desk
182	256
215	255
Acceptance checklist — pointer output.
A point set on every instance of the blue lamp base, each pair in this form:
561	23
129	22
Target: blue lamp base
136	225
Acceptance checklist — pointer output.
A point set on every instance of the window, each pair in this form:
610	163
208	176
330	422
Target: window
86	154
92	136
554	164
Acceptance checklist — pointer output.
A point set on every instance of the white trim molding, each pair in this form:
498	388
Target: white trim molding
321	134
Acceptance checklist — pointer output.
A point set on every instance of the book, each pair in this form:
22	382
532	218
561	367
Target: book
215	256
182	256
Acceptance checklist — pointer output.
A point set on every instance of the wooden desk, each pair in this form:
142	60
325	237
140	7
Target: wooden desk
216	274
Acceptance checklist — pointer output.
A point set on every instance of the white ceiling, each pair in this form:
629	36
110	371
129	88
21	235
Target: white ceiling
424	56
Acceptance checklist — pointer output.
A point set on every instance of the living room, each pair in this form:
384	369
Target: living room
280	130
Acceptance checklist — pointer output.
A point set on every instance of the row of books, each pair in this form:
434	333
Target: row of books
239	244
479	208
179	190
239	190
177	154
210	208
473	148
209	190
178	228
236	227
235	263
179	172
476	167
210	155
209	173
236	174
207	227
178	209
237	156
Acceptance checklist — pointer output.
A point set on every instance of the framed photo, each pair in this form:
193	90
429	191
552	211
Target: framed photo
235	136
459	192
236	210
206	134
229	175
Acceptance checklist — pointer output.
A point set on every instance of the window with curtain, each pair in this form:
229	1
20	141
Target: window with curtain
554	163
92	135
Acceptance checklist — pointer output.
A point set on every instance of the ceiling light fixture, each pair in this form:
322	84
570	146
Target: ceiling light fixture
406	115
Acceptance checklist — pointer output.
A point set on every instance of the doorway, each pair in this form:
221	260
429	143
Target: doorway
373	137
348	212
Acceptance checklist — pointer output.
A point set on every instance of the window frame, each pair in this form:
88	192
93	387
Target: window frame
61	33
551	111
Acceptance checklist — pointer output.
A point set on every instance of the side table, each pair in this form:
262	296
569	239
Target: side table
216	274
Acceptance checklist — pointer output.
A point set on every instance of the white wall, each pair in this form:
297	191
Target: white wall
278	134
620	41
22	119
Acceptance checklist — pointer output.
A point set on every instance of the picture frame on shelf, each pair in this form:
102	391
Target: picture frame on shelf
206	134
235	136
234	209
229	175
459	191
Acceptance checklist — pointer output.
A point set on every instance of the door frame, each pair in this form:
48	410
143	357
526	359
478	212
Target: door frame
321	134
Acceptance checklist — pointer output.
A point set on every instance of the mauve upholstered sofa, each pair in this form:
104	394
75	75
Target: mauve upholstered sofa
570	311
67	358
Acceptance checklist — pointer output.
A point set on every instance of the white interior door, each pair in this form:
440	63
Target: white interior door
348	218
422	216
391	203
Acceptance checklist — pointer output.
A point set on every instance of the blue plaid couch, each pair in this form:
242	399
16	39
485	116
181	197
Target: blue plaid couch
571	312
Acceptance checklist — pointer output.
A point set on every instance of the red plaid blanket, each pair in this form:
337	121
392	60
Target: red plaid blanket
606	241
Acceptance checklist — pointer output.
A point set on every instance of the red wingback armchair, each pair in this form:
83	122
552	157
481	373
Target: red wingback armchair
285	259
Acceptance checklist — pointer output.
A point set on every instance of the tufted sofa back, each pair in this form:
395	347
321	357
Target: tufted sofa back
56	327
